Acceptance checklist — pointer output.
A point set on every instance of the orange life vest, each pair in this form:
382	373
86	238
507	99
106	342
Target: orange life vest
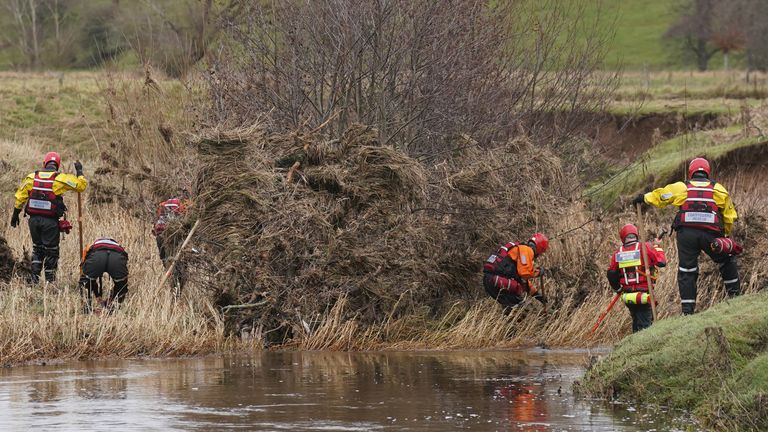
512	260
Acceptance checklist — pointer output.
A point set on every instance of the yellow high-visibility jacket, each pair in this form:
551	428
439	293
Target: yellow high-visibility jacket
676	193
63	183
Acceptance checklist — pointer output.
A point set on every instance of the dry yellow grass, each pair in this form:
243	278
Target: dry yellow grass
45	321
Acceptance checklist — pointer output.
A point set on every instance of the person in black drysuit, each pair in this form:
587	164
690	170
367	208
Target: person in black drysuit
705	213
40	196
105	255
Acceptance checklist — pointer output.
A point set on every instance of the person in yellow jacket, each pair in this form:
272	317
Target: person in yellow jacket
706	213
40	196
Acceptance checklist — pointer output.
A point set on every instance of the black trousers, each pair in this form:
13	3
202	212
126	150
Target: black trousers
690	243
45	247
505	297
101	261
642	316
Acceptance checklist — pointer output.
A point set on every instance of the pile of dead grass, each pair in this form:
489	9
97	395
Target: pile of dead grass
7	262
293	224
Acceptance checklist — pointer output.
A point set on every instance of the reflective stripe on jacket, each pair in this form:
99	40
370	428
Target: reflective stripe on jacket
62	183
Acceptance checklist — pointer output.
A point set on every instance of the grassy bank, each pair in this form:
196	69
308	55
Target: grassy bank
666	161
134	143
714	364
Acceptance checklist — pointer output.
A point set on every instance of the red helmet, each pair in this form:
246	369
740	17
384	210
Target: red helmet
540	241
698	164
52	157
627	230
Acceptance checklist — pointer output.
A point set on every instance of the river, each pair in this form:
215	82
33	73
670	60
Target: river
318	391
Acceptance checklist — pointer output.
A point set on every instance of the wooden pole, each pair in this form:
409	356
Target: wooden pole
546	308
80	222
175	258
87	297
644	252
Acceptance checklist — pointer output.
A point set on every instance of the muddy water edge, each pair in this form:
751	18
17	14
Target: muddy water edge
312	390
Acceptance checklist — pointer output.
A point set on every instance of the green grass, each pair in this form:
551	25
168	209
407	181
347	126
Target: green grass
51	108
660	162
678	363
640	25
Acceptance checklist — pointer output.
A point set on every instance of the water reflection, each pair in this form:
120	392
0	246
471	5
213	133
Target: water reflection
527	391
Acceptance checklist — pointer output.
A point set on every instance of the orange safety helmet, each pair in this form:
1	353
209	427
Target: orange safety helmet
52	157
540	241
698	164
628	230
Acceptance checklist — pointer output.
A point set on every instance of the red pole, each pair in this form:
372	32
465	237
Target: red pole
602	317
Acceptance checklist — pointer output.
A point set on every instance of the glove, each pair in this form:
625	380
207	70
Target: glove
639	199
15	218
616	290
78	168
540	297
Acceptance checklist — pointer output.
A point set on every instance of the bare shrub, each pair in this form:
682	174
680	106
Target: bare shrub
421	72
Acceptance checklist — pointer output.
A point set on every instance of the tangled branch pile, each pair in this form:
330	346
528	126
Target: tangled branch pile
291	223
7	262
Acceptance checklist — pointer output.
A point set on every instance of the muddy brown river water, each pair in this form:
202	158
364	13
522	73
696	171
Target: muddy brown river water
318	391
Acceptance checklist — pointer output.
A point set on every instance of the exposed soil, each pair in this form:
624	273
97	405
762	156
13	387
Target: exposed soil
623	137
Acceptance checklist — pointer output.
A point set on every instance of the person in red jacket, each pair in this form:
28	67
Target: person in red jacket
507	272
627	277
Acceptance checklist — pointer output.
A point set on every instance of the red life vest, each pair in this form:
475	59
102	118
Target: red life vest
167	211
500	263
630	263
699	209
42	200
106	243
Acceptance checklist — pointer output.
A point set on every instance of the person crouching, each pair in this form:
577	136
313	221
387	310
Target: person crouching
105	255
507	272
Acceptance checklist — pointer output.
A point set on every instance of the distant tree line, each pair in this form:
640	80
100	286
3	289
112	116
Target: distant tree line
56	34
704	28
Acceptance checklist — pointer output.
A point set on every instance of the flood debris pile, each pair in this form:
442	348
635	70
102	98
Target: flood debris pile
7	262
292	223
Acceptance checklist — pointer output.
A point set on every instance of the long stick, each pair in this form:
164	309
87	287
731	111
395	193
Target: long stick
602	317
546	309
175	258
87	297
644	252
80	222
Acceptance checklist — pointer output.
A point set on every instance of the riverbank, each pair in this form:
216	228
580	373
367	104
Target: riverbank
334	292
714	364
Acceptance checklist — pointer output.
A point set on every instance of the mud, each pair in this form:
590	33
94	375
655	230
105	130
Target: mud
623	137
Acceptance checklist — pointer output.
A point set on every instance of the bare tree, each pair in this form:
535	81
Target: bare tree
173	35
25	29
694	28
423	72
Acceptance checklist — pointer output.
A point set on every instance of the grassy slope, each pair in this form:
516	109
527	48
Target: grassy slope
680	363
660	162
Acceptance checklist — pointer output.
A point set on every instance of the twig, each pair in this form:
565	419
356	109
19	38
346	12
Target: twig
244	306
